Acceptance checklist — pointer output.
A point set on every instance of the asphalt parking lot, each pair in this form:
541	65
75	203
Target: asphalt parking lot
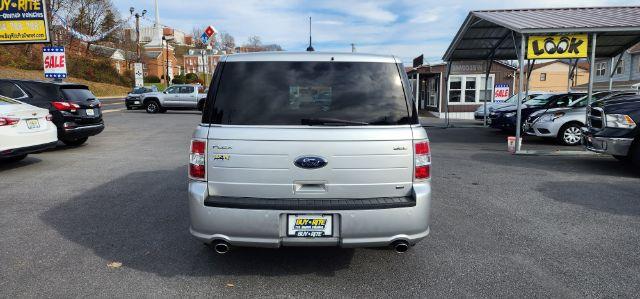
503	225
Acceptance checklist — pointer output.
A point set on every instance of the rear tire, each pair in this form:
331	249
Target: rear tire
14	159
570	134
153	107
634	154
201	105
622	158
75	142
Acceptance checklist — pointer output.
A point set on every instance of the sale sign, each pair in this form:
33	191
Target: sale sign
501	92
55	65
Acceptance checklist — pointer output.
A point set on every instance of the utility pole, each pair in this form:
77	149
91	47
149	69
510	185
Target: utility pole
137	16
353	48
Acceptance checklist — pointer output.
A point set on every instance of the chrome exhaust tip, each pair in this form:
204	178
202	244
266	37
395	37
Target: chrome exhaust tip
221	247
400	246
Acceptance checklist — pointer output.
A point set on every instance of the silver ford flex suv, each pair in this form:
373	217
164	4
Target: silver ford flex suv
309	149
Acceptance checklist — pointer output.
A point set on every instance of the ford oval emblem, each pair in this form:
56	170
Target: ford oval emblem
310	162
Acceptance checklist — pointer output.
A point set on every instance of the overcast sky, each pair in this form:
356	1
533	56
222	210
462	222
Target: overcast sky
406	28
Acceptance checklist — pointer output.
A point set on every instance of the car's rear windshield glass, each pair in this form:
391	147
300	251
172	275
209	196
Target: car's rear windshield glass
310	93
77	94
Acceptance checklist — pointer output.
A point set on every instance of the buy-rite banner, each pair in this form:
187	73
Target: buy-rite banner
23	21
557	46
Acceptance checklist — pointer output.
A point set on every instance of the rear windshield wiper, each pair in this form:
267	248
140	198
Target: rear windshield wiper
330	122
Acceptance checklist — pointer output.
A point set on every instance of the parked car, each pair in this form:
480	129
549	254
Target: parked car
175	97
564	124
24	129
310	149
506	118
612	128
133	98
479	113
75	110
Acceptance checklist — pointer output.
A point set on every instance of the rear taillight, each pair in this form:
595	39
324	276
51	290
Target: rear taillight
422	161
49	117
197	159
8	121
65	106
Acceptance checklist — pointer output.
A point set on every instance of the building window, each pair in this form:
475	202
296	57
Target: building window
455	89
620	68
486	94
543	76
601	69
470	89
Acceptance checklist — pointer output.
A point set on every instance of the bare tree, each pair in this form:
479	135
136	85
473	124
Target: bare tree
254	41
227	43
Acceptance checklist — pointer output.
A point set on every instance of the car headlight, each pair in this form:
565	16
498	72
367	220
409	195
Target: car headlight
622	121
510	114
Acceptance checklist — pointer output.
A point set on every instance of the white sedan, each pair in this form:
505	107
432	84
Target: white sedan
24	129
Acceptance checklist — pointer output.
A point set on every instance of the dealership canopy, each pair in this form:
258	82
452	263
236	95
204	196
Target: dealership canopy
494	34
544	33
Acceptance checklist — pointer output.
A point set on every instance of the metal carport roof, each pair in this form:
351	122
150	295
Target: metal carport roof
493	34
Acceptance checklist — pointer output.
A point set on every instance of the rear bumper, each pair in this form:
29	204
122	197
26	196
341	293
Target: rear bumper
606	145
267	227
83	131
27	150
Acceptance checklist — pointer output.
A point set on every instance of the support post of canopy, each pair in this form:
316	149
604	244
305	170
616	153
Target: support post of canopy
418	87
523	46
592	60
572	74
486	87
614	67
530	64
446	89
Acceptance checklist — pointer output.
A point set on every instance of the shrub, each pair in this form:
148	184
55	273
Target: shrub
151	79
179	79
191	78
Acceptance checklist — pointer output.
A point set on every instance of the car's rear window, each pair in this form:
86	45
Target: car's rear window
310	93
78	94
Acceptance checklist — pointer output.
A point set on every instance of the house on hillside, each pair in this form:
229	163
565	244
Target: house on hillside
625	76
201	61
121	60
554	75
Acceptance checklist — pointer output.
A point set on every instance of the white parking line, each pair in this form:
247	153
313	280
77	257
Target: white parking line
111	110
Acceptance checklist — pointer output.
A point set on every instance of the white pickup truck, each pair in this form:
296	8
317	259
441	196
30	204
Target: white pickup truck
175	97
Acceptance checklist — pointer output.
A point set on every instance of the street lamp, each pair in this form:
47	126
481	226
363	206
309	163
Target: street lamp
137	16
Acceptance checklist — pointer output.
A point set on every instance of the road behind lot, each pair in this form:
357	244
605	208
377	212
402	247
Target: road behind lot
502	226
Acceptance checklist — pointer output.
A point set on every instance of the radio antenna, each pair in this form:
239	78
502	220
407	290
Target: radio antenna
310	48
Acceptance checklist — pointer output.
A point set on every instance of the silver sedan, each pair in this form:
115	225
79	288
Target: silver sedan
564	123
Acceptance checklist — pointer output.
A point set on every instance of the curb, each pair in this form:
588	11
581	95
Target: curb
112	97
558	153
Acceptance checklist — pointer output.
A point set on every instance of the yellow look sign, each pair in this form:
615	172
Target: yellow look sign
557	46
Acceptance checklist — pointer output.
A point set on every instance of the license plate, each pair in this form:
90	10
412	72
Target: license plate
33	124
90	112
310	226
136	102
